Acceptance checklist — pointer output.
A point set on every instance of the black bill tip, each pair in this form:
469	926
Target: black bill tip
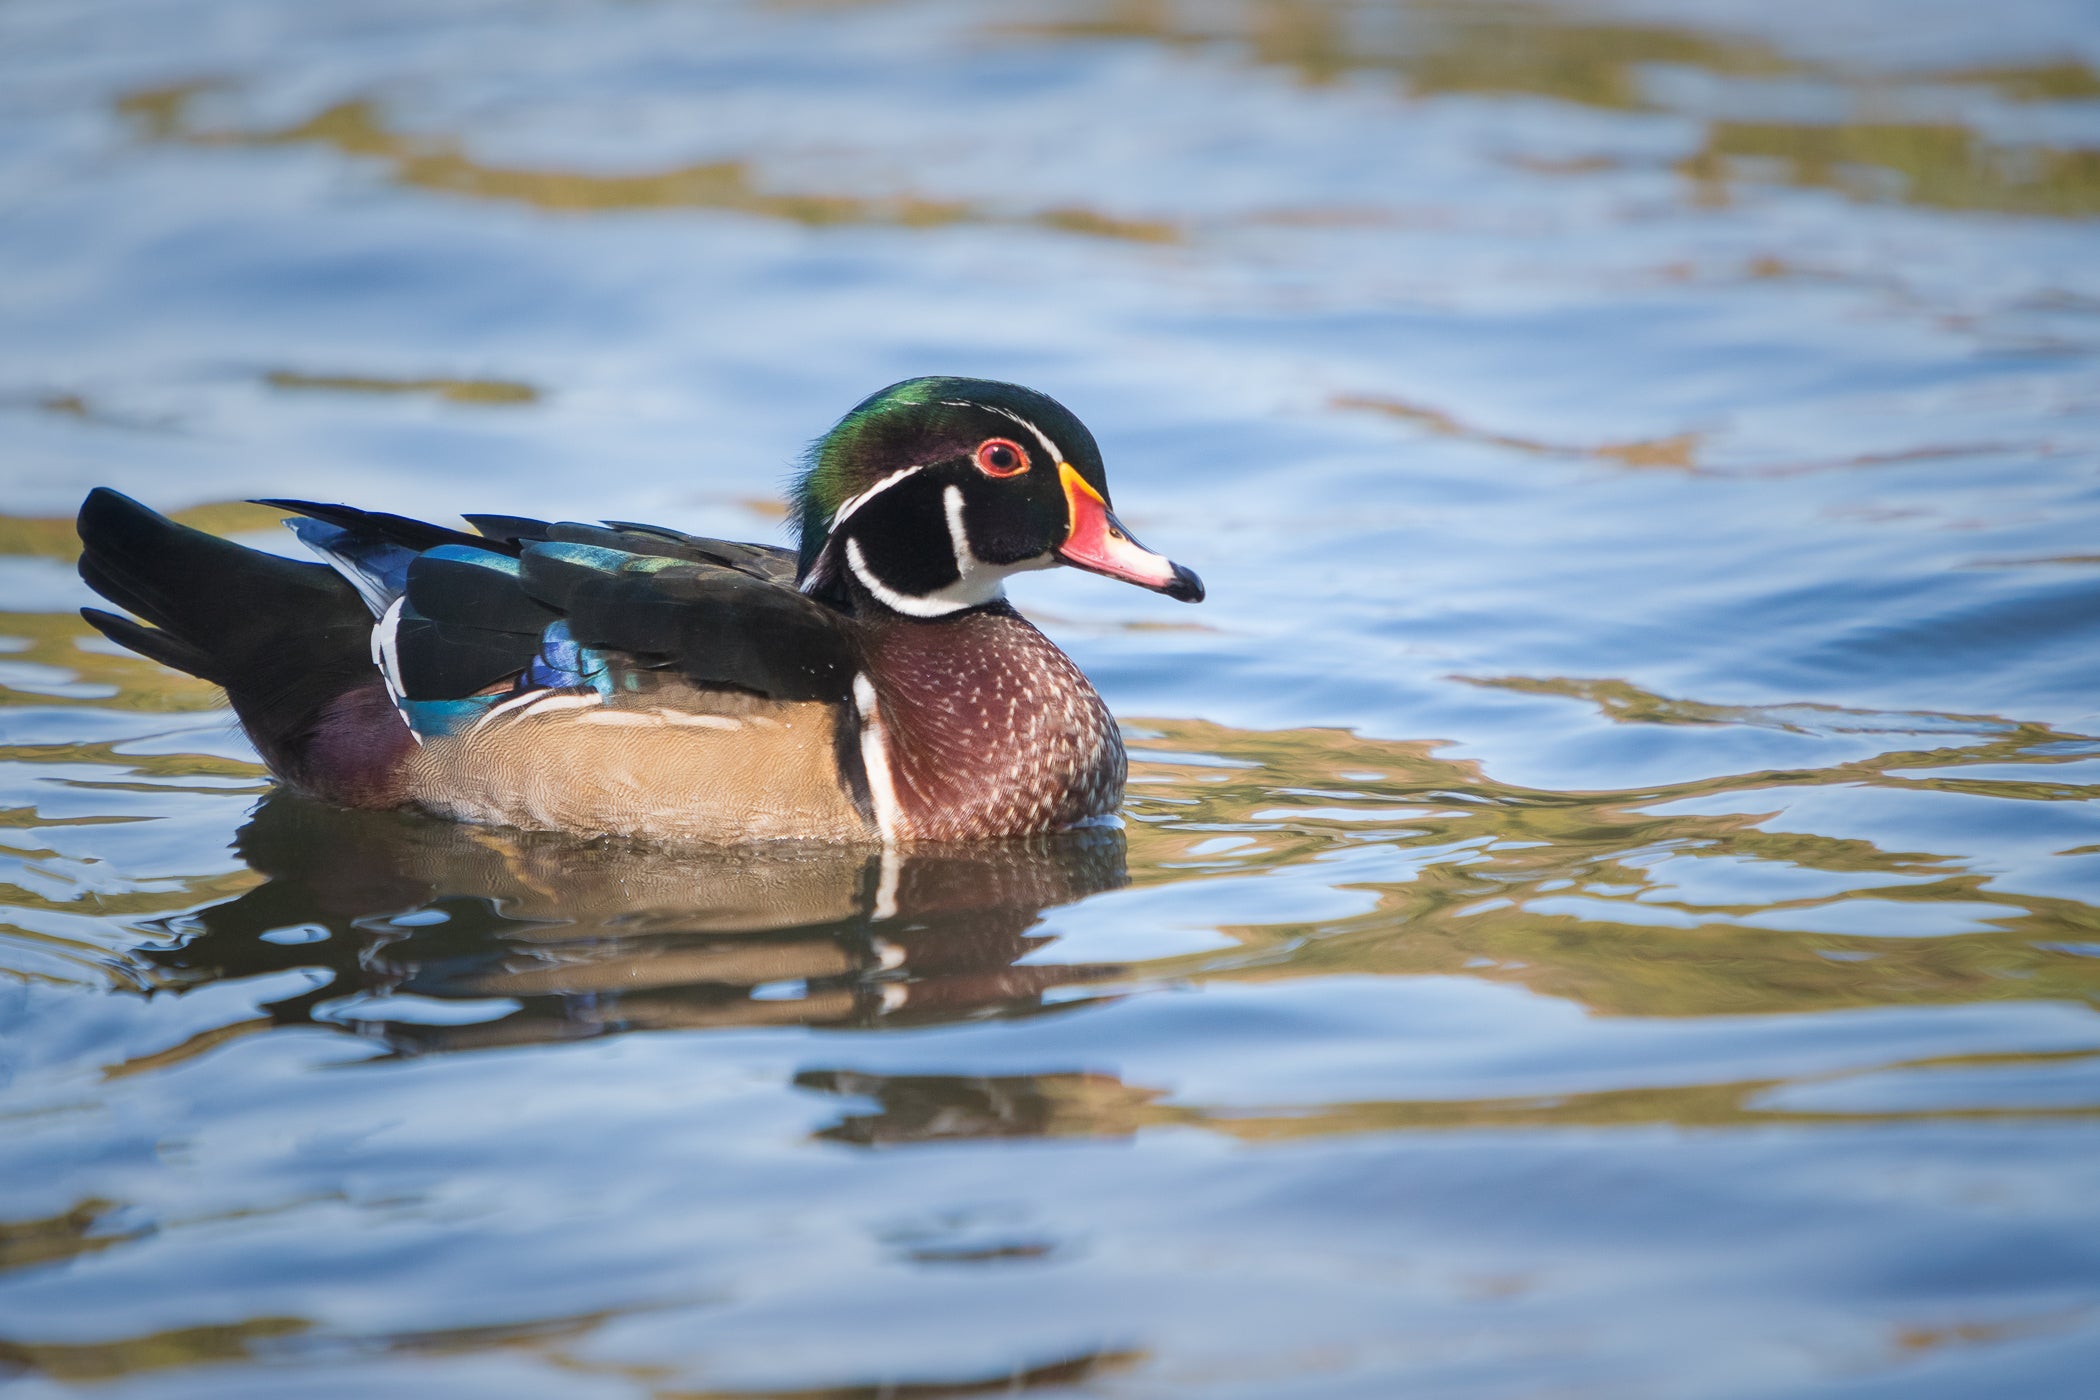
1186	587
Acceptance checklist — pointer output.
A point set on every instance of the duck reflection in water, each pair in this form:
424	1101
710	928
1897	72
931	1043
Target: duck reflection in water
594	938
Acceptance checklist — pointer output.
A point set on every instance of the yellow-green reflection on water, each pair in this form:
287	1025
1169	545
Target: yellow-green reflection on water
1470	916
53	537
124	680
89	1226
1507	47
130	1356
558	1343
1948	167
914	1109
359	129
1435	46
1679	451
474	391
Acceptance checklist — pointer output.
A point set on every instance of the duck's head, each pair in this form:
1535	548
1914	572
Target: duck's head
930	493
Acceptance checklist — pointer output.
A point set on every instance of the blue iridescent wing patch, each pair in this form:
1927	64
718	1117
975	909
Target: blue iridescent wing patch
564	662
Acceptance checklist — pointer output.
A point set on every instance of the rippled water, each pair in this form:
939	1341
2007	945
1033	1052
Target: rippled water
1610	898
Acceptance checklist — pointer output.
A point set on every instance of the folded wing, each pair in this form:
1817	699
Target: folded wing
466	623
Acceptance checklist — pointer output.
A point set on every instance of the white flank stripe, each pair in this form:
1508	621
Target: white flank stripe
530	697
657	719
388	660
875	758
535	702
564	700
699	721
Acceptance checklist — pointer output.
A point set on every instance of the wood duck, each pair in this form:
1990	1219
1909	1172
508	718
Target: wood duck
633	681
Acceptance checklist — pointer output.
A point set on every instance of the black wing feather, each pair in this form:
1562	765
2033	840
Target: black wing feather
715	625
456	591
414	534
764	561
451	660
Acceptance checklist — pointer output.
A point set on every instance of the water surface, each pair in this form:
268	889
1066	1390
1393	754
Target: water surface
1609	901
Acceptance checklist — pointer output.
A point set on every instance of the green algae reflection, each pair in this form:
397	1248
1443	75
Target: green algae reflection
1512	47
359	129
1558	891
1429	48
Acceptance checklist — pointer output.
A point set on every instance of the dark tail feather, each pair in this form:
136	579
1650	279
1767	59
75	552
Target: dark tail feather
163	647
290	642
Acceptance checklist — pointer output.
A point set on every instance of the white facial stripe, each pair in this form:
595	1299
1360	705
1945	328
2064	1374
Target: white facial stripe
966	561
976	582
935	604
875	758
839	517
1039	435
820	572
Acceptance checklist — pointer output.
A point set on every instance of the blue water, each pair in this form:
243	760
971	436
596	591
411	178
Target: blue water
1609	900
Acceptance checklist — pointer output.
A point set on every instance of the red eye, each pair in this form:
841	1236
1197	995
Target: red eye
1000	457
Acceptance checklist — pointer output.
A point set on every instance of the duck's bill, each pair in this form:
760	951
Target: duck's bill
1098	543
